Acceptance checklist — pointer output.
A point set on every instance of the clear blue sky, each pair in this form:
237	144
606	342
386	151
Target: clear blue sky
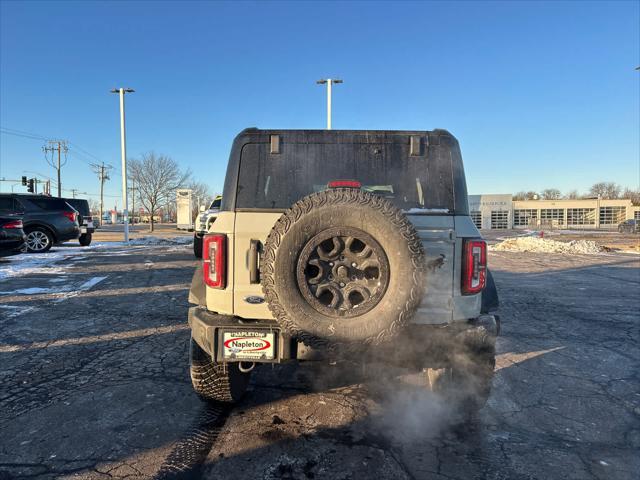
540	94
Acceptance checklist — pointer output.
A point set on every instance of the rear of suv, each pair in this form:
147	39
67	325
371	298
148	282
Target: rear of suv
340	245
85	220
203	222
46	220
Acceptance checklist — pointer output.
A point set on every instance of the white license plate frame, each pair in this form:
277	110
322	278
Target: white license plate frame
248	344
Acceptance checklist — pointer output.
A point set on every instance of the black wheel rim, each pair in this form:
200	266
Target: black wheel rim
343	272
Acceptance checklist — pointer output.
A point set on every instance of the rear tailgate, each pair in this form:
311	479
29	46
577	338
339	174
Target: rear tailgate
438	238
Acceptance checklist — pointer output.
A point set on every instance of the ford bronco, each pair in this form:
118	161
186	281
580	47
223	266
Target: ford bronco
344	244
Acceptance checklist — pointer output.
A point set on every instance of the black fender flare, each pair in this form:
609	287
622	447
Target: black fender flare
197	292
490	300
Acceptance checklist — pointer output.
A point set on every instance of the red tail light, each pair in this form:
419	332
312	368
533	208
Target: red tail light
344	184
474	266
70	215
14	224
214	257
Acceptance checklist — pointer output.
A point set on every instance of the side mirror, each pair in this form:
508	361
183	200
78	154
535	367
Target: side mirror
202	208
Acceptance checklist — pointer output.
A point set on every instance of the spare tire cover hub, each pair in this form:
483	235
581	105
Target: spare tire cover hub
342	272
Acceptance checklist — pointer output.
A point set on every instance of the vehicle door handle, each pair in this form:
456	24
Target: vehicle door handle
254	254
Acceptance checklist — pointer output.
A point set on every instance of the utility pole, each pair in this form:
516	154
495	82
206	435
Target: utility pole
103	174
123	147
61	146
329	82
73	192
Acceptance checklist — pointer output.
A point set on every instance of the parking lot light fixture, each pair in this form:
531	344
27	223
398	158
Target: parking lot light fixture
329	82
123	148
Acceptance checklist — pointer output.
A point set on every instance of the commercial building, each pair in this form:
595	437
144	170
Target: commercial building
501	212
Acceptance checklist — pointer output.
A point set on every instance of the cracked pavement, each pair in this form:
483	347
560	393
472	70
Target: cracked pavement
94	384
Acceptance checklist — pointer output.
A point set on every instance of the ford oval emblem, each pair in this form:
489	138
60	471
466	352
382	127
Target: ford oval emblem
254	299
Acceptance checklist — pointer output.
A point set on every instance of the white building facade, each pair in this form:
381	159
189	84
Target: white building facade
499	211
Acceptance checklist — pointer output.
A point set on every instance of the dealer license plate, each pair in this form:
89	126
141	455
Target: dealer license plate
248	344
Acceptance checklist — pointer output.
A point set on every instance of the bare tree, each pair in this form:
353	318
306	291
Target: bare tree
519	196
633	195
572	195
201	194
157	177
606	190
551	194
94	207
530	195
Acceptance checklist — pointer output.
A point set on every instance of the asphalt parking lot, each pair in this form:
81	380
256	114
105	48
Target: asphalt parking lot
94	383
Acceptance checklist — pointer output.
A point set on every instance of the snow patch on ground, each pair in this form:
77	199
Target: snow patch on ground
69	289
12	311
56	261
545	245
38	263
182	240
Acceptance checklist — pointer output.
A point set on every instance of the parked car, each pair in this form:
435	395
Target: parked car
204	220
11	234
629	226
85	220
46	220
345	245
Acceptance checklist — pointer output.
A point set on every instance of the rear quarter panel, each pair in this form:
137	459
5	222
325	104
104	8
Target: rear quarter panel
221	300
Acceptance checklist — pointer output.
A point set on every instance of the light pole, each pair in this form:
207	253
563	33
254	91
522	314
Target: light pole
329	82
123	149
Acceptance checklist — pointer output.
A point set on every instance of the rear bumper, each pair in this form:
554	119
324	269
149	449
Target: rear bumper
416	341
206	326
10	246
67	233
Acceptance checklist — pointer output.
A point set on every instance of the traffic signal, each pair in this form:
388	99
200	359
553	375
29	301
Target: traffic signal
30	188
24	180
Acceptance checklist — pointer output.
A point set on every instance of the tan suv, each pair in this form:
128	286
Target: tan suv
344	244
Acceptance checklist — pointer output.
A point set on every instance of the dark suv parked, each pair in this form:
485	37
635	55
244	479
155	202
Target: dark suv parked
46	220
11	234
85	220
629	226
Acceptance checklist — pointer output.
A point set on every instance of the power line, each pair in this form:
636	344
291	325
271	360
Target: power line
89	154
80	153
77	156
18	133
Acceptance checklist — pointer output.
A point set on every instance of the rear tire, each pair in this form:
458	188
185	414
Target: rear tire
39	240
216	382
85	239
465	383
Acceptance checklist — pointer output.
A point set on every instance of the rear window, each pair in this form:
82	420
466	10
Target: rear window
277	181
48	203
7	205
81	206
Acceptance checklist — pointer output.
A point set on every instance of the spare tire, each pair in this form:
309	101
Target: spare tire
343	266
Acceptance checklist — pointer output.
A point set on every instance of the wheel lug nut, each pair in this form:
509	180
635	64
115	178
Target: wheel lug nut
341	284
354	264
331	264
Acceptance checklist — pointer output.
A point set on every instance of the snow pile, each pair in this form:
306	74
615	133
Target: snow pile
545	245
41	264
183	240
